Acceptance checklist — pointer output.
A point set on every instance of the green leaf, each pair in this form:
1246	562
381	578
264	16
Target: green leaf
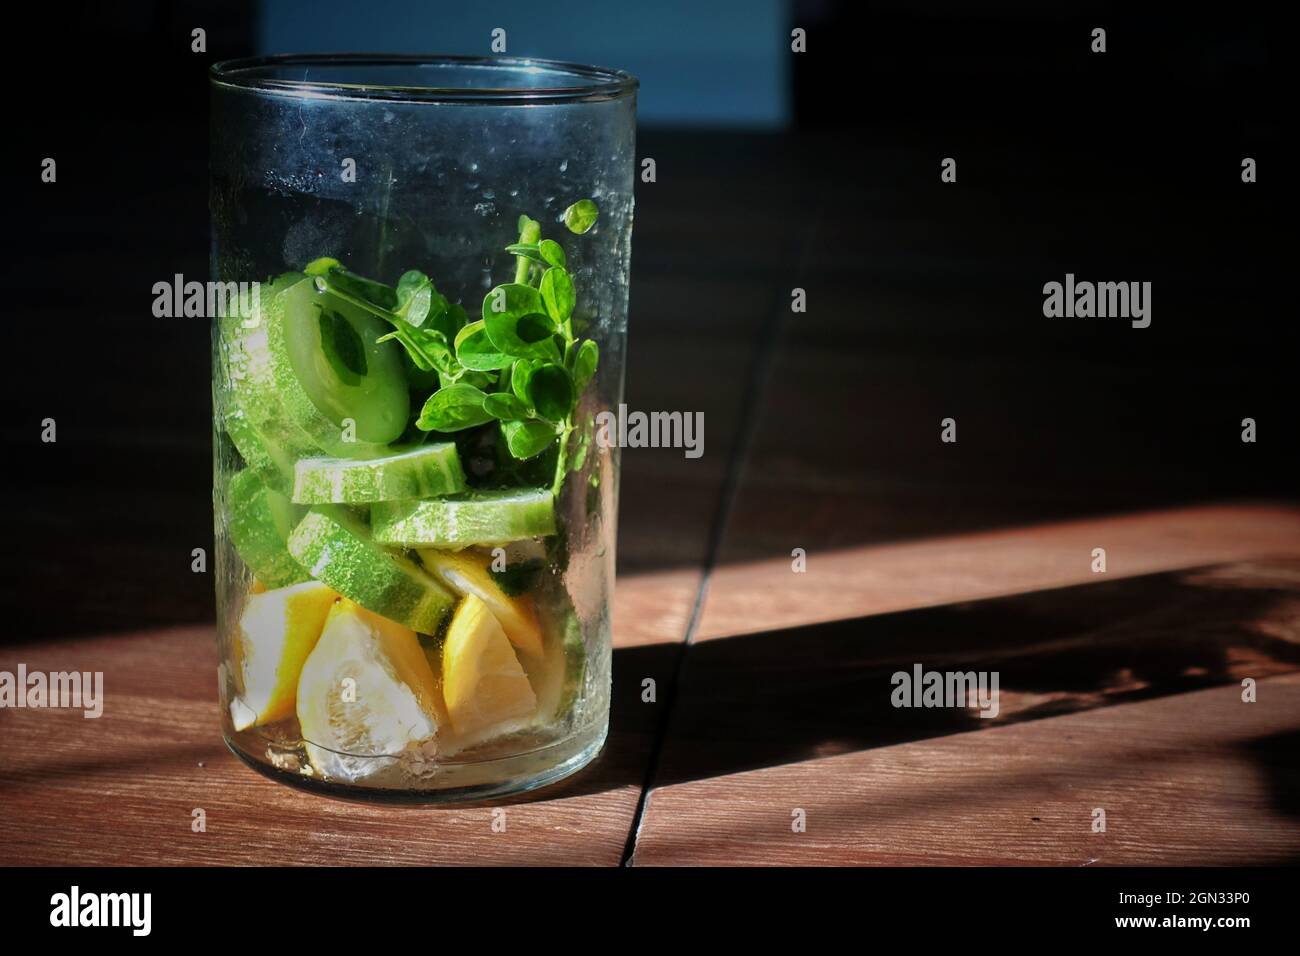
520	372
322	266
463	376
343	348
427	348
529	250
584	364
517	323
505	406
415	297
475	350
551	252
551	392
448	321
558	294
512	298
527	439
453	409
581	216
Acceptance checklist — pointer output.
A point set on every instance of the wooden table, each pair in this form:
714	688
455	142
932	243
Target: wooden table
1120	690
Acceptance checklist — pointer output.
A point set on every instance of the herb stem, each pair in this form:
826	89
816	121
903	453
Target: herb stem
404	331
529	234
561	466
390	317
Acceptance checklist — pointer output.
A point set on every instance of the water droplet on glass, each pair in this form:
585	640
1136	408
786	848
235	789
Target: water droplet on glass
489	194
564	166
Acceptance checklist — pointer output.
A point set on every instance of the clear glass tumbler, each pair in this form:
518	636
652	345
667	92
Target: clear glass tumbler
426	261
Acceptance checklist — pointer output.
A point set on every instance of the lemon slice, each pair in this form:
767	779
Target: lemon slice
466	573
367	691
277	631
485	687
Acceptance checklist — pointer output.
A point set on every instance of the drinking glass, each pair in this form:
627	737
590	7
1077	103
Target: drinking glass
427	260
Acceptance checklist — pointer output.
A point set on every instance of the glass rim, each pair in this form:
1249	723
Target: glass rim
254	74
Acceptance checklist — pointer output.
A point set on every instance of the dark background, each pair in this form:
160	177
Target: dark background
924	298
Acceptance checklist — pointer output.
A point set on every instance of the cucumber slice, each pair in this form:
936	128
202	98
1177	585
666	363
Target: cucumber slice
309	362
253	416
419	473
260	521
336	548
485	517
329	367
273	467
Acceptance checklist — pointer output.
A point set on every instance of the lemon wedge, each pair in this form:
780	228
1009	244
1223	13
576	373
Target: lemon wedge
367	691
484	685
466	573
278	629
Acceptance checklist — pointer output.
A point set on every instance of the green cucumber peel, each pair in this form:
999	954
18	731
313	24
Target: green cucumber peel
259	521
474	518
334	547
420	472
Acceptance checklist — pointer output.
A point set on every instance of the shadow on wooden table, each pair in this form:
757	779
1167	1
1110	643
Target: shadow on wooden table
785	696
1276	756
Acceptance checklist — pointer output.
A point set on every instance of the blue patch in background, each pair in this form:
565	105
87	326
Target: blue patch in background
708	62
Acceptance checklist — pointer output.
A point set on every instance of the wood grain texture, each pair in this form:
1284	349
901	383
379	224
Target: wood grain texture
120	790
748	597
1194	779
1125	693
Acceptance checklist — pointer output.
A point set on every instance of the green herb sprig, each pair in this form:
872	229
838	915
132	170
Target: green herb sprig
520	364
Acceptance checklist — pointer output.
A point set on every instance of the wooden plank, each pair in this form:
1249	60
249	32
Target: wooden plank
1192	779
783	696
803	717
849	582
